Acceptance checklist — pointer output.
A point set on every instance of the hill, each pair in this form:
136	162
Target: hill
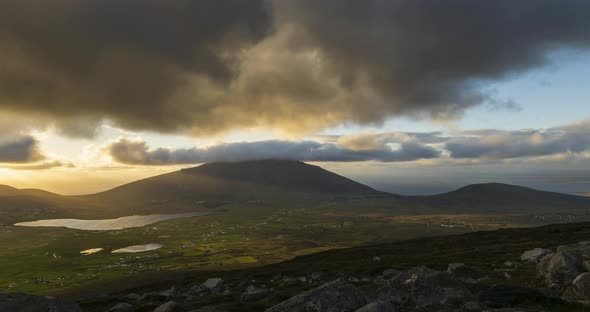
292	175
212	185
6	190
501	198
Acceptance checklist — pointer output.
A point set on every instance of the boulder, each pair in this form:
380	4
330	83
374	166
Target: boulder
26	302
579	290
335	296
582	248
377	306
169	306
253	294
122	307
559	269
454	266
422	287
213	284
535	255
159	295
390	273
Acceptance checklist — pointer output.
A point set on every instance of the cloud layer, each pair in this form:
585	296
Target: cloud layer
137	152
208	66
474	146
20	150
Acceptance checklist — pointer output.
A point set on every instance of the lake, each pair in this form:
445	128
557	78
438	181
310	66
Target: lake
109	224
138	248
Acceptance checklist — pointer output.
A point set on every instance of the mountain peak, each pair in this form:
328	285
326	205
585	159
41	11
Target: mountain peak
493	187
291	174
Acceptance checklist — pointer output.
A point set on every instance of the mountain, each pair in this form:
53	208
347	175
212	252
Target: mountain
211	185
502	198
6	190
292	175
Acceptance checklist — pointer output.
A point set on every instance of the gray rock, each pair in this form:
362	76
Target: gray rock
390	273
316	276
423	287
582	248
452	267
122	307
253	294
335	296
25	302
213	284
579	290
535	255
559	269
377	306
159	295
169	306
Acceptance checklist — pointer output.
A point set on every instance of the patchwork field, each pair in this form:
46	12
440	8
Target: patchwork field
48	260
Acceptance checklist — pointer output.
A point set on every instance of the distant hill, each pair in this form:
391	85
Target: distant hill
6	190
501	198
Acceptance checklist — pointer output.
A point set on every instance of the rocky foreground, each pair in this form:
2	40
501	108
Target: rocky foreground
561	276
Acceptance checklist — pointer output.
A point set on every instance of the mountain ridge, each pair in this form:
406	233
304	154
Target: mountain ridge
274	183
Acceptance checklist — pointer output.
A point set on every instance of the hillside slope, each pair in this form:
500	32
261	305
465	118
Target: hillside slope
216	184
488	198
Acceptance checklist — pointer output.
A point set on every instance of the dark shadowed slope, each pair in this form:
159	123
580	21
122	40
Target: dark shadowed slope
292	175
215	184
502	198
6	190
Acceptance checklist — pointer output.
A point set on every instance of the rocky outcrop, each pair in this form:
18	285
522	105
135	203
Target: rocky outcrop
579	291
377	306
335	296
581	248
159	295
535	255
169	306
122	307
422	287
25	302
253	293
559	269
212	286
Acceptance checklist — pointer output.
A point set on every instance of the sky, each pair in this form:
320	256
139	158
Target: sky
412	97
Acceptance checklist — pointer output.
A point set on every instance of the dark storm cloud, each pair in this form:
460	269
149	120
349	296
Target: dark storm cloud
119	59
209	66
138	153
497	144
20	150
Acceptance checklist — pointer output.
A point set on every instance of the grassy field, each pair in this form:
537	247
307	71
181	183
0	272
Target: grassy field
48	260
485	251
